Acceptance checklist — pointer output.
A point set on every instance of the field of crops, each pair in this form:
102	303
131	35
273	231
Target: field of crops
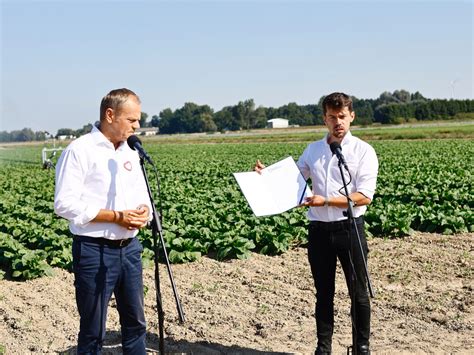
423	185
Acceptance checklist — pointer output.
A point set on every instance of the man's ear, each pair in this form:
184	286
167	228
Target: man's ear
109	115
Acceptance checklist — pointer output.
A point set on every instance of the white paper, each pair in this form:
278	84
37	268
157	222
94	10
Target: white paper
277	189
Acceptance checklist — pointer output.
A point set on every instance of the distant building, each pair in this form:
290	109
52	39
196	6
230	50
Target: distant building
277	123
146	131
63	137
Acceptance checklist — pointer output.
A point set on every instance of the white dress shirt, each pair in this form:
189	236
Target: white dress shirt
318	163
92	175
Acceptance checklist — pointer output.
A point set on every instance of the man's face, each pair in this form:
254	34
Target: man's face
338	123
125	121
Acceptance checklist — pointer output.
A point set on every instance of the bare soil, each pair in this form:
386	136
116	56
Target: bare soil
265	305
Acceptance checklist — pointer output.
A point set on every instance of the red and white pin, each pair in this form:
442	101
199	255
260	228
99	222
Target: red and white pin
128	165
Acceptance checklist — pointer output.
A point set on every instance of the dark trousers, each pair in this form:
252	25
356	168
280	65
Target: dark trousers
100	270
328	242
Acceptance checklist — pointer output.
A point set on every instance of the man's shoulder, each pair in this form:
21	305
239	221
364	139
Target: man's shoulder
83	140
317	144
313	150
358	141
361	146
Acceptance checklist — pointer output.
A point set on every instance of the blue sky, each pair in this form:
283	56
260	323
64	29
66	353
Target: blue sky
59	58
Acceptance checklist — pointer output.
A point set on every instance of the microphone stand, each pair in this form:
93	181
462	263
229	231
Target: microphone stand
156	229
351	222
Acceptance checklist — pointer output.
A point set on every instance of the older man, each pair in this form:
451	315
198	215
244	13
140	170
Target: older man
101	191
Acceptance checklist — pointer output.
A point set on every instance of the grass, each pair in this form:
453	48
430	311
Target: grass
213	288
263	308
428	130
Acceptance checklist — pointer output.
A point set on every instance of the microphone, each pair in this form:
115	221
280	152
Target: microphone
136	144
336	149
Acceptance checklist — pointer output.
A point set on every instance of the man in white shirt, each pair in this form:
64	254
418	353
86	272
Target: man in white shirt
101	191
329	238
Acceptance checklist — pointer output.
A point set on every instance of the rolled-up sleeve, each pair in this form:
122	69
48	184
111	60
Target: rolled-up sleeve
367	173
70	175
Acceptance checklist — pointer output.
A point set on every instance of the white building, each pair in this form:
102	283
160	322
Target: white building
277	123
146	131
64	137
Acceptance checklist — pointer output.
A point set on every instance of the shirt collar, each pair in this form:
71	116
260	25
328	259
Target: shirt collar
99	138
346	140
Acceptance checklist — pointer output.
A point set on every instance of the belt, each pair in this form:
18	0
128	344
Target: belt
119	243
336	225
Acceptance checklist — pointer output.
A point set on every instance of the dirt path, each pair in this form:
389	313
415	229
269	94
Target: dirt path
424	304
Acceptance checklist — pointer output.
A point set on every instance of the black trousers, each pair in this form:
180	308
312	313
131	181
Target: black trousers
328	242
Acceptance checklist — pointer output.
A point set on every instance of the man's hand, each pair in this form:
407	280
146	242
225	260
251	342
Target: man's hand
132	219
314	201
259	167
145	209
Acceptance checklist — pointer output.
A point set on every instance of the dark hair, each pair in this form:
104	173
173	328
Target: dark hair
337	101
115	100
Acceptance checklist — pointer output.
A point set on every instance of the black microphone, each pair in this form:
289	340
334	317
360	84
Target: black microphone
136	144
336	149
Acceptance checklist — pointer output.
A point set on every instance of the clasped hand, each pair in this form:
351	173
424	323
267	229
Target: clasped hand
133	219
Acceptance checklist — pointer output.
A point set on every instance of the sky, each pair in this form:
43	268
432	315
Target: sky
59	58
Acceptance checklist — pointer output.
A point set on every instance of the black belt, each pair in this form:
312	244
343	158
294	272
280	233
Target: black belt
119	243
336	225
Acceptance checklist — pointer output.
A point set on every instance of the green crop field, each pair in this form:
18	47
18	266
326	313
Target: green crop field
424	185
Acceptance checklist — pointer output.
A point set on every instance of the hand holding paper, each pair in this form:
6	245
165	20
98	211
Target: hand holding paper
276	189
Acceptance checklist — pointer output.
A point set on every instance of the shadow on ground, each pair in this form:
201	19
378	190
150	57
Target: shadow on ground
112	346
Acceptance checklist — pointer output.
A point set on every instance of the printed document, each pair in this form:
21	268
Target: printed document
278	188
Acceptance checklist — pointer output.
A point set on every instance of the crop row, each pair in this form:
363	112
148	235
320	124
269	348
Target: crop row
422	185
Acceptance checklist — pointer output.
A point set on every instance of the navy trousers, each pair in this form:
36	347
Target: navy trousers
328	242
100	270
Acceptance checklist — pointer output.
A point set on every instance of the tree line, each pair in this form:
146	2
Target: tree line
389	108
28	135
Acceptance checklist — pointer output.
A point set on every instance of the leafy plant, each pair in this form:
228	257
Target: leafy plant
422	185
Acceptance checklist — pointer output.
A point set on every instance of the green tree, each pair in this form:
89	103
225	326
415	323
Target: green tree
84	130
40	136
417	97
143	118
225	120
402	96
207	123
316	112
166	121
5	136
422	111
363	110
259	117
386	98
187	119
155	120
243	112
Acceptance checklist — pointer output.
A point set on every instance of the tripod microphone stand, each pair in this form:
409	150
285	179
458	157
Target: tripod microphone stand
158	231
352	225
